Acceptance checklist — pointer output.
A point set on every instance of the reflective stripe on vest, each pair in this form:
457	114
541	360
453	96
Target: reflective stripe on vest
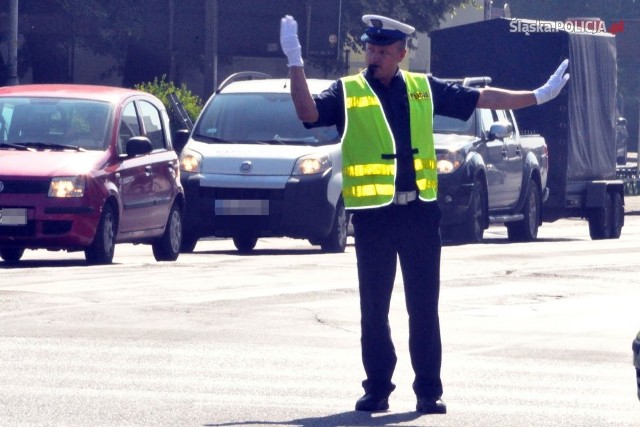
368	146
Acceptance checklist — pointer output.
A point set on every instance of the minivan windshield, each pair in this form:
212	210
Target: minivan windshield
54	123
267	118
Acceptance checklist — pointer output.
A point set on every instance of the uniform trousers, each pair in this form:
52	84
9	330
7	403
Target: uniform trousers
410	233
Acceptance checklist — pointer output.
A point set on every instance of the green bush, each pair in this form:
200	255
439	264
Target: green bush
161	88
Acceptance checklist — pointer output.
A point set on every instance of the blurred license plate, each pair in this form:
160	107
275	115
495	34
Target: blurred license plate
242	207
13	216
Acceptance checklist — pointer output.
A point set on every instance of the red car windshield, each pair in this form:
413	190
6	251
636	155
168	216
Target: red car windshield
54	123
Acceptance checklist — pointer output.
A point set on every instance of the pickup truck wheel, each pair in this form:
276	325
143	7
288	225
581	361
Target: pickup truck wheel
104	243
526	230
167	248
10	254
472	229
600	221
336	241
245	244
617	215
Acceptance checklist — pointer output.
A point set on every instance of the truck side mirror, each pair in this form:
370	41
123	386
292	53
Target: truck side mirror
500	130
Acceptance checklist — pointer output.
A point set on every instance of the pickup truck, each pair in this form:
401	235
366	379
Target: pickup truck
579	125
489	173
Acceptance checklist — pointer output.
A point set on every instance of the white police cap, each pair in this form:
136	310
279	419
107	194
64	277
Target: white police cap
383	31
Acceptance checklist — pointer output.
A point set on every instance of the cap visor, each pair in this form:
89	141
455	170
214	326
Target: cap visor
381	41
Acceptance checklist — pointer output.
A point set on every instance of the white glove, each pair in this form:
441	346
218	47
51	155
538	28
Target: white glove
289	41
554	85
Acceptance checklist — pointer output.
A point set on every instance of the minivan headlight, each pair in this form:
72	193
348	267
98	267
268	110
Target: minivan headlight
190	161
449	161
67	186
310	165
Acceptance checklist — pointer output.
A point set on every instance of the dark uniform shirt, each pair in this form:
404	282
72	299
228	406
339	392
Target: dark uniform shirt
449	99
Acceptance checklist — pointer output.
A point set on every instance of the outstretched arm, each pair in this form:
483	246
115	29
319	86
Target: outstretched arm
300	94
497	98
502	99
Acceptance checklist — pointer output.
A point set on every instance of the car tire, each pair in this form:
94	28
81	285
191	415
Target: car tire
617	215
167	248
245	244
472	229
104	242
10	254
526	230
189	242
600	221
336	241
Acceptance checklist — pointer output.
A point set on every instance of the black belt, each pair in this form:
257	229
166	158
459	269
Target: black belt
395	156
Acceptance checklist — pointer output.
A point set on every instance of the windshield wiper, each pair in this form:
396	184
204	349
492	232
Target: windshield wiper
16	146
45	145
291	141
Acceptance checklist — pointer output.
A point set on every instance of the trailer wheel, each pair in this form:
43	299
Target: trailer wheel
527	229
617	215
600	221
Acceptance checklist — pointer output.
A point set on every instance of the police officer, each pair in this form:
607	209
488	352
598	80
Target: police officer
385	117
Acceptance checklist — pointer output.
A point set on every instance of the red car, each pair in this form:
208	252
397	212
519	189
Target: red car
85	167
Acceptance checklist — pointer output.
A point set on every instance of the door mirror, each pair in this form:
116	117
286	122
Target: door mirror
500	130
181	138
138	145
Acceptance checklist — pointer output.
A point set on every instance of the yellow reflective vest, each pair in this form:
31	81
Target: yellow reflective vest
368	147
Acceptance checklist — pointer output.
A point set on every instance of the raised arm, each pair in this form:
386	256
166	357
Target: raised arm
300	94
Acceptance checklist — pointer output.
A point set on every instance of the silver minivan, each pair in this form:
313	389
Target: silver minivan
250	169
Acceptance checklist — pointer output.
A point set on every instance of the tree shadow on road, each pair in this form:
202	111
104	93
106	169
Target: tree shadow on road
353	418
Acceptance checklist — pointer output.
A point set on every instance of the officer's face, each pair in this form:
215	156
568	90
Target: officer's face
383	61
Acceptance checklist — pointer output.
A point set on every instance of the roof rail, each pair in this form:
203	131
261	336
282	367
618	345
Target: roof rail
242	75
477	81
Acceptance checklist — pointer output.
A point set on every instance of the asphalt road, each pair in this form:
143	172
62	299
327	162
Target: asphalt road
534	334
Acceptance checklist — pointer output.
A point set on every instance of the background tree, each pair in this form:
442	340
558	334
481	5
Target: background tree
55	29
609	11
424	15
559	10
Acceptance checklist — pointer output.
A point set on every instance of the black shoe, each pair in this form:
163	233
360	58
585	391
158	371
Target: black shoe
372	403
430	405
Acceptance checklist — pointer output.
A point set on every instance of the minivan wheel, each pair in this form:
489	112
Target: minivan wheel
167	248
11	254
336	241
245	244
189	242
103	247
